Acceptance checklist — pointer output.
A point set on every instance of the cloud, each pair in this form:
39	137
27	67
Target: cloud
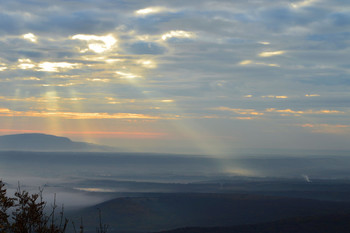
328	128
201	54
25	64
146	48
152	10
251	62
56	66
5	110
252	112
3	67
304	3
275	96
98	134
117	134
78	115
246	62
46	99
178	34
167	101
98	44
122	74
31	37
147	64
301	112
264	42
312	95
271	53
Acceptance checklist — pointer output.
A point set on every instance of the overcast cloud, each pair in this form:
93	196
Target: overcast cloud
210	75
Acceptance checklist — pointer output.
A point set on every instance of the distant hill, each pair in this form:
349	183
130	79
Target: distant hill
45	142
159	212
309	224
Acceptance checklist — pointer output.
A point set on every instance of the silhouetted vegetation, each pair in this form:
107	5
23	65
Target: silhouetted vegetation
26	213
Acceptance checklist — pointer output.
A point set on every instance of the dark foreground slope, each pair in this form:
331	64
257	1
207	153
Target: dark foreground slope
313	224
159	212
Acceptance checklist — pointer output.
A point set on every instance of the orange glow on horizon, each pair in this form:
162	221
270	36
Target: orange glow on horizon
94	134
77	115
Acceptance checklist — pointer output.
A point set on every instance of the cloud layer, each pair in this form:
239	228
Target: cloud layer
195	70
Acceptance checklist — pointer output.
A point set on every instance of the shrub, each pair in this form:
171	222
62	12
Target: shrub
25	213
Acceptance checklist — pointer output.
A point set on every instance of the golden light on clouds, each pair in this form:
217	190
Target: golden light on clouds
117	134
56	66
273	65
147	64
251	62
127	75
97	44
3	67
112	100
103	80
25	64
77	115
271	53
275	96
31	99
281	112
31	37
5	110
317	112
327	128
97	134
244	118
302	3
178	34
151	10
246	62
312	95
281	97
264	42
31	78
284	111
58	85
241	111
167	101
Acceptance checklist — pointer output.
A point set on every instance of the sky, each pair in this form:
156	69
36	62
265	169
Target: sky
197	76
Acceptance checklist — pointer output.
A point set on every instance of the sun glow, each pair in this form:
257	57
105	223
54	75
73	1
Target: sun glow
56	66
97	44
3	67
151	10
147	64
178	34
31	37
271	53
25	64
127	75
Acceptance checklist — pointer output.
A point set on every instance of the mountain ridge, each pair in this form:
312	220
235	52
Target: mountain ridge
47	142
158	212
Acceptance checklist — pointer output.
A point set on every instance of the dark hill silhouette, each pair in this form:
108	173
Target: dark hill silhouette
309	224
157	212
45	142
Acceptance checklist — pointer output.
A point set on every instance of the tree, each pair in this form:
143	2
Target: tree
25	213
